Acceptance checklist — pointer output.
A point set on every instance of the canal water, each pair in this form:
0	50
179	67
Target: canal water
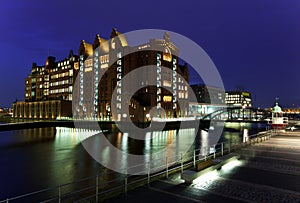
34	159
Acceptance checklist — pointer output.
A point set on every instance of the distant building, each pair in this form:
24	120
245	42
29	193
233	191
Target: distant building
5	112
54	80
209	99
238	98
48	90
208	94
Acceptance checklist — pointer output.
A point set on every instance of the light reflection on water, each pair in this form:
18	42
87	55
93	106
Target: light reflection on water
33	159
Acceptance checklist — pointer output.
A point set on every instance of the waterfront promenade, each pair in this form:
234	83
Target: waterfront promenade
267	172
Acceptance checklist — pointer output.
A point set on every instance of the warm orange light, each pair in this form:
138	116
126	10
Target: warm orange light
76	66
167	98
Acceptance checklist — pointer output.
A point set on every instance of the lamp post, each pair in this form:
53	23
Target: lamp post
147	117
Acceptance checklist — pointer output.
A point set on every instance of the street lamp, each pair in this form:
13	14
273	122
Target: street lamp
147	116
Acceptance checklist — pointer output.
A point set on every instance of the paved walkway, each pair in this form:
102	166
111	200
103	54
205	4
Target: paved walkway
268	172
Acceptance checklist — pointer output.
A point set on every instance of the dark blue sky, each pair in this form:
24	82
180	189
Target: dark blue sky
254	44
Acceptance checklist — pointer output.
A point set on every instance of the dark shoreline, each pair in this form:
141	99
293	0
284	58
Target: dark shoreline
107	125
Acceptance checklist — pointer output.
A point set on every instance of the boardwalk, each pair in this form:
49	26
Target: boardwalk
268	172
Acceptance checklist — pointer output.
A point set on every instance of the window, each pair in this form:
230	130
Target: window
167	98
104	59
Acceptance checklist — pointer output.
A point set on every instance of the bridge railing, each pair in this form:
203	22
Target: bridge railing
109	183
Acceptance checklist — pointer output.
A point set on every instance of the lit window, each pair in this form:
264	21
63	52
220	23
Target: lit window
167	98
167	83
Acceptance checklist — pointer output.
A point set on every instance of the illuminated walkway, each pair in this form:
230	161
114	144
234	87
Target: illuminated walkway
268	172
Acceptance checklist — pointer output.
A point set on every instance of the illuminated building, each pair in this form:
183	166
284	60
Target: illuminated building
207	94
99	69
112	60
50	109
238	98
209	99
48	90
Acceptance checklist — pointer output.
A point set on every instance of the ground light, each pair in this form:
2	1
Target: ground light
231	165
206	178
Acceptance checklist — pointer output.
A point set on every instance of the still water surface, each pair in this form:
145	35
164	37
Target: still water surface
34	159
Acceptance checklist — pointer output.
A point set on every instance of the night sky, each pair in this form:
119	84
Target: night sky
254	44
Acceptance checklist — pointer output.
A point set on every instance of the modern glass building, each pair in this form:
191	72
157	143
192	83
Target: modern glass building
238	98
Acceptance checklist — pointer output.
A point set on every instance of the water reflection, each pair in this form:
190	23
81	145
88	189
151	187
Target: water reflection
245	135
136	156
44	157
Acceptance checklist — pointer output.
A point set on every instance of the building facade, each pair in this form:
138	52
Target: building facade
209	100
50	109
91	85
104	64
48	90
238	98
208	94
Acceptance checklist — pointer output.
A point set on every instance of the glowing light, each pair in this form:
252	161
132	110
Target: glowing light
167	98
104	65
206	178
157	119
231	165
89	69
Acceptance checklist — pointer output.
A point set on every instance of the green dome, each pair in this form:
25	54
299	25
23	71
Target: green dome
277	109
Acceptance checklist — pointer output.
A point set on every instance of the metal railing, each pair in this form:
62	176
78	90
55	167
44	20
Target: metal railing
94	189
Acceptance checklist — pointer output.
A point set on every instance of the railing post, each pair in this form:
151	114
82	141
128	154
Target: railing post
149	168
167	167
126	182
97	187
222	148
214	151
229	145
181	163
194	158
59	194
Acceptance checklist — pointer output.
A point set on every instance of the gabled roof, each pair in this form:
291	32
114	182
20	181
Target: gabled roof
85	48
122	38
